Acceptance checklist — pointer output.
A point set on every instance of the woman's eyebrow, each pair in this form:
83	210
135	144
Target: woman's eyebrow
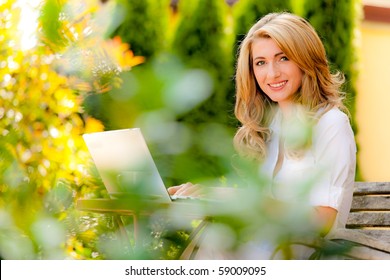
262	57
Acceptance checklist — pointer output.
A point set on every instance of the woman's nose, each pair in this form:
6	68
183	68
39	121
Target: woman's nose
273	70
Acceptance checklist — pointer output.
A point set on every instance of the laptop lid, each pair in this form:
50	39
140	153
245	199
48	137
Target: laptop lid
125	164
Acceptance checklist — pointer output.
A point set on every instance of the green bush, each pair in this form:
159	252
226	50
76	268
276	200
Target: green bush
247	12
144	25
201	43
335	22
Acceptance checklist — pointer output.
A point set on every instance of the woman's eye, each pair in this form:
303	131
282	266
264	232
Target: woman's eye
259	63
284	58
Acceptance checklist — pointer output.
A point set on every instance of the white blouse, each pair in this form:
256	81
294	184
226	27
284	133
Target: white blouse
324	174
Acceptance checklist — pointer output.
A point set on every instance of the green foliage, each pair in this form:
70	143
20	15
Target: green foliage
144	21
44	164
50	19
297	6
335	22
39	113
176	85
152	98
200	43
247	12
205	29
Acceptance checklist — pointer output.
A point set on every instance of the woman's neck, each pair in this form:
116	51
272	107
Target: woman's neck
288	110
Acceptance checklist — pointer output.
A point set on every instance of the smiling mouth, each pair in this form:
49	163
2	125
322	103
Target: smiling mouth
278	85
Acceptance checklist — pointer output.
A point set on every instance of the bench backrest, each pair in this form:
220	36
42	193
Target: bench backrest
370	211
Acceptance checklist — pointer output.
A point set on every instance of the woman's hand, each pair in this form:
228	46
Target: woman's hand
186	190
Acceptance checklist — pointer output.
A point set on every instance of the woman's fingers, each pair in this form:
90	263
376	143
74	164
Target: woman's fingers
173	190
179	189
186	190
198	191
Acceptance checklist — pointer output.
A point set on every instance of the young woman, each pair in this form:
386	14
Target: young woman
283	77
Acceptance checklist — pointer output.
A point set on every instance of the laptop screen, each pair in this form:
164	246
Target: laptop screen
125	164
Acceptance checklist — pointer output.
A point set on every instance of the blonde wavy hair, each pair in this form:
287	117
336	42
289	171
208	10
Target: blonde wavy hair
320	88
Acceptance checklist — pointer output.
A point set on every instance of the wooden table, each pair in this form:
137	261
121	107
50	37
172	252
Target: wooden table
140	210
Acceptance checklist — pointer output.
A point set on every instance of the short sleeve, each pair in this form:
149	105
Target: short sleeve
334	150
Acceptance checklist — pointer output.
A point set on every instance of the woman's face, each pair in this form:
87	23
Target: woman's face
279	77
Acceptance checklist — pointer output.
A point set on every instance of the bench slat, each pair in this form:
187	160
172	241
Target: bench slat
362	239
362	188
371	202
368	219
381	234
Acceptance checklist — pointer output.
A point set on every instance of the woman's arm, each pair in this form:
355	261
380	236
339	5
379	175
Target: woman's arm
324	217
335	154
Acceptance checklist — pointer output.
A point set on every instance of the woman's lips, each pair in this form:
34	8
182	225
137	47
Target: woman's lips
278	85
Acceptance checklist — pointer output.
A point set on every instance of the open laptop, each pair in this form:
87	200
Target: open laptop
125	164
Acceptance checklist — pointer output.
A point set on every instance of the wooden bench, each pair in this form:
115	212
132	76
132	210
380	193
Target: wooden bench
367	230
367	233
368	225
370	211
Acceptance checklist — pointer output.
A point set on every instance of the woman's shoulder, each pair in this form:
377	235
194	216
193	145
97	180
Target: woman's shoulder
333	117
333	124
